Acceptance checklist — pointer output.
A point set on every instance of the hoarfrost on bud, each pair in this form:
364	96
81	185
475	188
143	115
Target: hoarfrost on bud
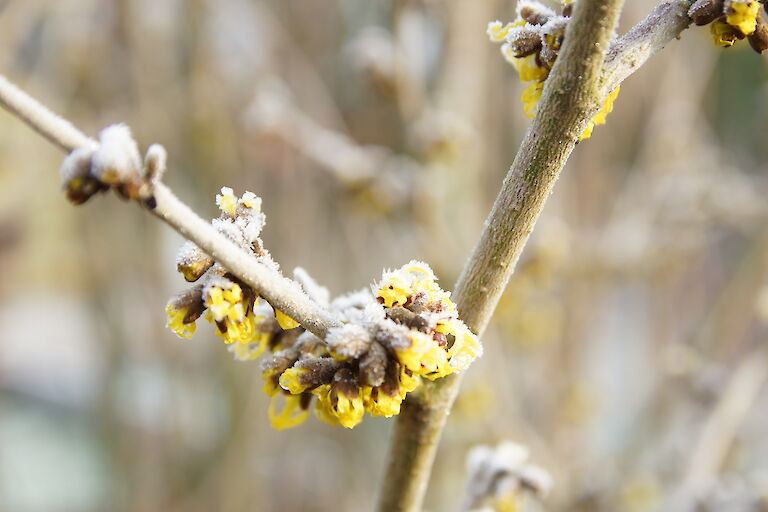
118	158
534	12
75	165
226	201
502	475
192	261
349	341
155	162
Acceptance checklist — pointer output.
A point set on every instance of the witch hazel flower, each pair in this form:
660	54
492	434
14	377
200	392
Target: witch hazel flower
531	44
404	329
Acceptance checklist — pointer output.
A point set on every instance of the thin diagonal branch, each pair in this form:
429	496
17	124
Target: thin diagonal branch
583	73
278	290
630	51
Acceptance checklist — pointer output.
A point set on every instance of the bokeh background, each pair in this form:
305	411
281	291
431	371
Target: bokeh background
628	352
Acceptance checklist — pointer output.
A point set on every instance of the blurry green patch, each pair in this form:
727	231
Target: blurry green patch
739	103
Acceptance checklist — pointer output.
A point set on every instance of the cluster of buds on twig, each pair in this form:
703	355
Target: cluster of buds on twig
245	324
733	20
402	330
407	329
501	479
114	163
531	44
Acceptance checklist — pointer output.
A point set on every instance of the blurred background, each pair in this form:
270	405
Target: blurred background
628	352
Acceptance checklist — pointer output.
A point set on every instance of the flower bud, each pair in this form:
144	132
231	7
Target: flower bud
758	40
704	12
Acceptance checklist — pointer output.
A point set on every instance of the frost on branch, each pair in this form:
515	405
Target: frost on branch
402	330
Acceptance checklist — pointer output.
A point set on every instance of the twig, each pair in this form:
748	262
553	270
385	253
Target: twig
630	51
278	290
56	129
720	428
578	83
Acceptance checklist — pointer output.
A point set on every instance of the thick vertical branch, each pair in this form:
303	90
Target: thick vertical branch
572	94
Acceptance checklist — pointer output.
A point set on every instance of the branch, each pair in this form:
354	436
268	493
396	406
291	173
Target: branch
579	81
630	51
278	290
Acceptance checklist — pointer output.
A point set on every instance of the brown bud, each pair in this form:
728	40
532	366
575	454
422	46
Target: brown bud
525	43
321	371
547	56
192	301
373	366
568	9
308	344
758	40
391	384
392	336
192	262
532	16
703	12
408	318
345	382
279	362
349	342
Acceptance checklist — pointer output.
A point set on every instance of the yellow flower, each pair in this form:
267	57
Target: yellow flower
348	409
511	502
497	31
340	403
394	293
192	270
228	310
531	96
527	67
408	381
176	321
723	34
293	413
323	409
227	201
742	15
285	321
251	200
290	380
466	347
249	350
602	114
379	403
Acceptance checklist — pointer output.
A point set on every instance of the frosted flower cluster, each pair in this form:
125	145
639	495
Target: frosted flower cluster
404	329
241	320
733	20
501	478
531	44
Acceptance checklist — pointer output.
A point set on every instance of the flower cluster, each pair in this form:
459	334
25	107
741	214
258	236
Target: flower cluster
242	320
501	479
531	44
115	163
402	330
733	20
407	329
